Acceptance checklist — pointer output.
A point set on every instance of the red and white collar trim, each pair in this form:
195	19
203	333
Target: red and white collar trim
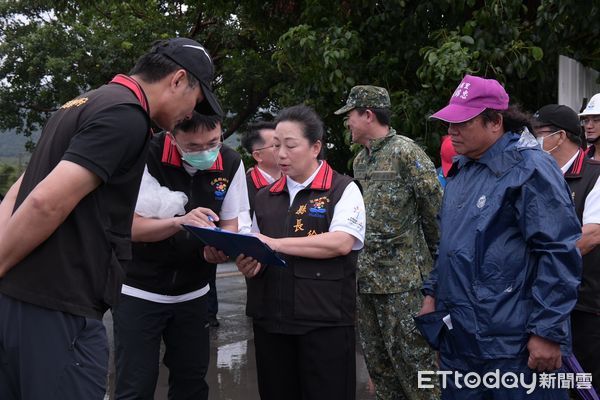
258	179
577	166
322	180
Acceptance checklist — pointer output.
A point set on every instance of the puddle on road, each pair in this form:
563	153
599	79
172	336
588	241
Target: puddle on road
235	373
232	356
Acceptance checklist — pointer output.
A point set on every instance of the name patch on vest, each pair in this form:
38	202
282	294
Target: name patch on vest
220	186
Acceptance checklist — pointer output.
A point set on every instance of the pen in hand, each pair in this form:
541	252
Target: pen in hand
211	219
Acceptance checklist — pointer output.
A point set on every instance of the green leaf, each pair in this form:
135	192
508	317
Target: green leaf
467	39
537	53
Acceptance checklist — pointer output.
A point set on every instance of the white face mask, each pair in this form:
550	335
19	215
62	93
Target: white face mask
540	140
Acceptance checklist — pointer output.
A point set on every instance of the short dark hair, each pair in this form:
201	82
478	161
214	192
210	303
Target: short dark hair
383	115
208	122
313	129
513	119
152	67
252	137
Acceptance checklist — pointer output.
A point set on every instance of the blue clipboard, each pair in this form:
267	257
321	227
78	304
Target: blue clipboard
234	244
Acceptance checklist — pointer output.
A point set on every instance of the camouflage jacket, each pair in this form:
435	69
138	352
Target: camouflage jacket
402	197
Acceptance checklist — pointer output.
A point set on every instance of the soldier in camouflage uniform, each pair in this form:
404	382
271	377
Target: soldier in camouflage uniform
402	195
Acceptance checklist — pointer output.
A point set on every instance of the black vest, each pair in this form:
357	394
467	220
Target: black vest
78	269
582	177
176	265
308	293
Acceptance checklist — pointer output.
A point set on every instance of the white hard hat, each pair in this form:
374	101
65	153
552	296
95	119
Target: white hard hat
593	106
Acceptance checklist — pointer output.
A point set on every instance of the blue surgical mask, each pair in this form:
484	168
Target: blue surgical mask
203	159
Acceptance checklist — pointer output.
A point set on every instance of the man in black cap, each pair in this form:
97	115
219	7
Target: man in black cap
558	131
65	225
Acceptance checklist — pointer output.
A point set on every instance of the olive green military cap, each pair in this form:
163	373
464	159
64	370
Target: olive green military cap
366	96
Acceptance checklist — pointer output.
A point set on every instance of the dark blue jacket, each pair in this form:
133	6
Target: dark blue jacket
507	264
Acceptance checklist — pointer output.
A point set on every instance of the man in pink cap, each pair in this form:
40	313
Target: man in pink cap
505	281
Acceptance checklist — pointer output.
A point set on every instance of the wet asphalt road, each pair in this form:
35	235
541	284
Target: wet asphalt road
232	371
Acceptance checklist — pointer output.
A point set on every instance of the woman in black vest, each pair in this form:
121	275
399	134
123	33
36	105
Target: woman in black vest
304	313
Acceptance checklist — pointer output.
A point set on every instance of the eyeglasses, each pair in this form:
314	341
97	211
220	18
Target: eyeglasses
590	120
263	148
215	147
208	147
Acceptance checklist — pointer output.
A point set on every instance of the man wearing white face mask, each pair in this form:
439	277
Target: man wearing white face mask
164	295
558	131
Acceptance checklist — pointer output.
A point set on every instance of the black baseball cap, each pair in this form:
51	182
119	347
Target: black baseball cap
193	57
562	117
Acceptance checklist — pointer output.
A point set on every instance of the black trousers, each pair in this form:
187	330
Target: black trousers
213	301
586	343
47	354
318	365
139	326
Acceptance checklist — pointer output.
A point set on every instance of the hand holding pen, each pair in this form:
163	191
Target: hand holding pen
199	216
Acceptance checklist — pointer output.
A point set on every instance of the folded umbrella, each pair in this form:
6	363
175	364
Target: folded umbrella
573	366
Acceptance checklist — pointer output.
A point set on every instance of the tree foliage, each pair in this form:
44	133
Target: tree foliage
275	53
8	175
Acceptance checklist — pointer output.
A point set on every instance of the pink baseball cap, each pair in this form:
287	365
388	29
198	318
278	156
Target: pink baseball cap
472	96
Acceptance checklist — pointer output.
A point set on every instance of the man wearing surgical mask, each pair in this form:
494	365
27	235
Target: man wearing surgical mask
165	291
558	131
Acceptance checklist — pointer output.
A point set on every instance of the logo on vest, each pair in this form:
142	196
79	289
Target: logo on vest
317	207
220	185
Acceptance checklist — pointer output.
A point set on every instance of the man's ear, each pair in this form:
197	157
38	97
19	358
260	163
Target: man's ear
178	78
257	158
498	125
563	136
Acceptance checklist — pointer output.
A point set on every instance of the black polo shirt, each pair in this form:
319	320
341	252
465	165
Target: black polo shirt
78	268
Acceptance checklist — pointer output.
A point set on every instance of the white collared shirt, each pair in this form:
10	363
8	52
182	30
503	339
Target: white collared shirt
591	208
244	221
348	214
